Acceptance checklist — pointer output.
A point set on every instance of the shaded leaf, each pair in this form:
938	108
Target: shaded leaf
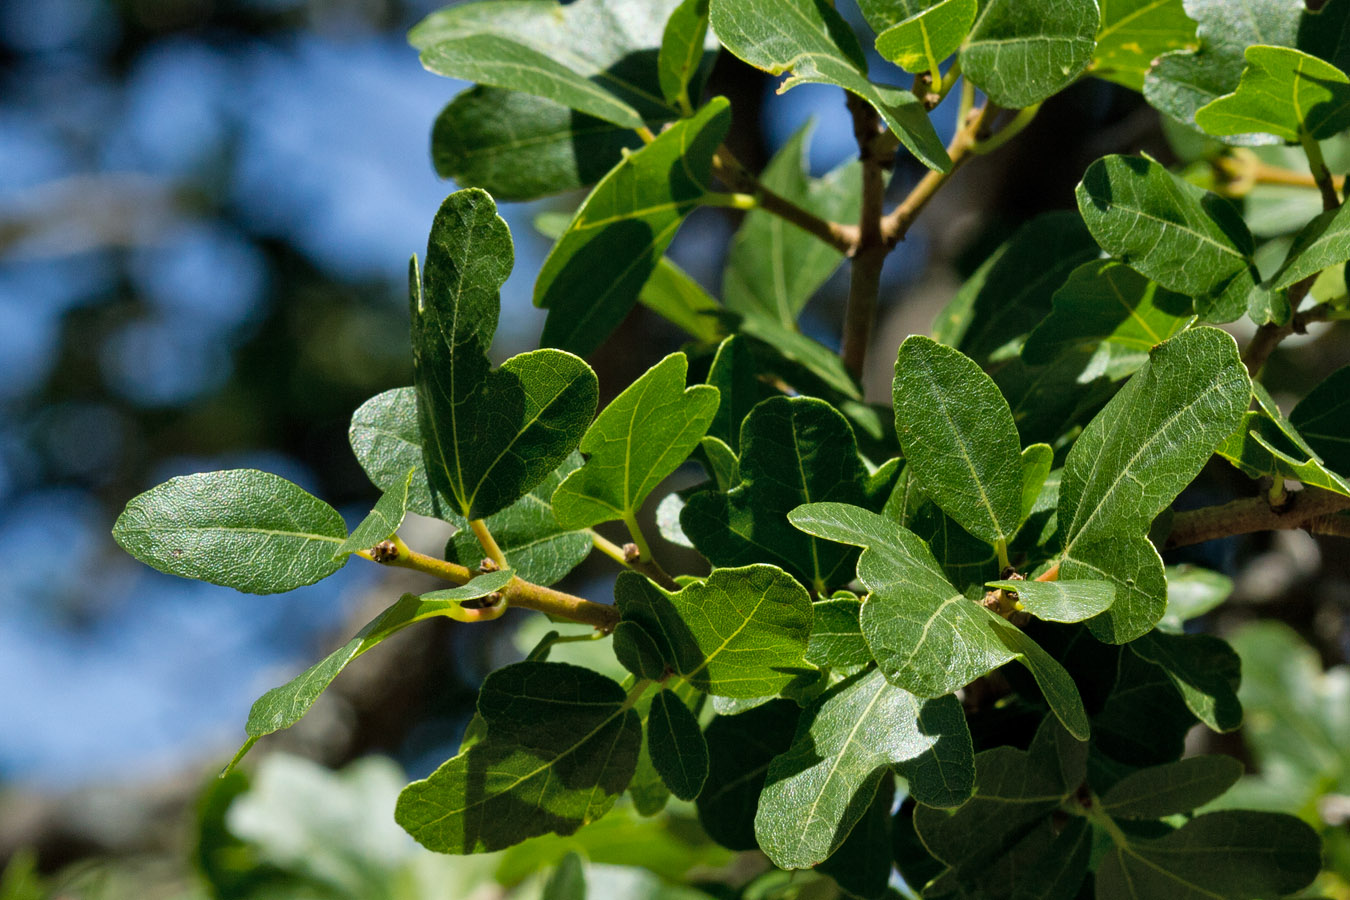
1284	92
1320	418
1022	51
682	50
862	864
928	36
1136	32
1178	787
1036	462
381	522
740	749
676	744
735	373
1192	592
1060	601
387	441
682	301
1204	669
568	881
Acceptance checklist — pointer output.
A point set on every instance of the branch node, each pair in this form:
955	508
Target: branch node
384	552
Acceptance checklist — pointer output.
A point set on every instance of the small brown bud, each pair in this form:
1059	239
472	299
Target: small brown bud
631	553
384	551
488	565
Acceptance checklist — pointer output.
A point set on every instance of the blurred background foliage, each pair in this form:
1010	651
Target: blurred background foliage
206	209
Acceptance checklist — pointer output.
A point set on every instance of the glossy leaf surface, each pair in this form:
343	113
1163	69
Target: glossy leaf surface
1284	92
1060	601
1022	51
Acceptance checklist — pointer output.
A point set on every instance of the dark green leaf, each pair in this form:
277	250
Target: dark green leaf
862	864
1149	442
1143	720
1022	51
801	360
737	633
1284	92
682	50
491	436
682	301
959	439
846	742
676	745
814	42
1204	669
1186	239
735	373
740	749
1266	445
595	272
1324	242
245	529
722	465
562	744
1058	871
1320	418
1060	601
1136	32
642	436
382	521
921	41
926	637
793	451
1178	787
836	637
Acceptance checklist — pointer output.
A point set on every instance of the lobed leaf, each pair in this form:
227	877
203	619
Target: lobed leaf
1204	669
836	636
1020	52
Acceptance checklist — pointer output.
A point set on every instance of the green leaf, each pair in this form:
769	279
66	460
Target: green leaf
594	274
862	864
1192	592
1036	462
773	267
283	706
1322	243
381	522
738	633
722	465
1143	721
682	50
927	638
1204	669
1136	32
735	373
642	436
800	360
682	301
490	436
920	42
740	750
536	546
1183	81
813	41
1178	787
1231	855
676	745
1266	445
846	741
568	881
1133	459
836	636
241	528
1060	601
387	441
793	451
1320	418
1284	92
1107	302
1022	51
1184	238
561	746
959	439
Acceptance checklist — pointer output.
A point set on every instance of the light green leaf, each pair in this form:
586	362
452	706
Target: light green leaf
594	274
682	50
381	522
682	301
1133	459
1178	787
387	441
1192	592
793	451
846	742
561	745
490	436
740	750
1266	445
1060	601
1022	51
1136	32
1284	92
676	744
738	633
1203	668
722	464
641	437
836	636
920	42
927	638
1322	243
1230	855
1320	417
959	439
568	881
1036	462
884	14
283	706
241	528
1184	238
536	546
773	267
1107	302
816	44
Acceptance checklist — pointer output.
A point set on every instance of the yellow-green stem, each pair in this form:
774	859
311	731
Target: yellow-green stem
404	557
488	542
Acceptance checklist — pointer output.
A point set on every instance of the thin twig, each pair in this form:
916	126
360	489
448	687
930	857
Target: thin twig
1268	336
843	238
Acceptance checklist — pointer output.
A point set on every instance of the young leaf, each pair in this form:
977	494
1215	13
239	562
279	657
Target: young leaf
818	46
1266	445
682	50
773	267
1322	243
1284	92
1230	855
836	636
846	742
921	41
1178	787
1060	601
241	528
490	436
594	274
793	451
1204	669
740	750
737	633
1036	462
676	744
959	438
1140	451
1320	417
382	521
1022	51
536	546
561	746
1184	238
927	638
1136	32
641	437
